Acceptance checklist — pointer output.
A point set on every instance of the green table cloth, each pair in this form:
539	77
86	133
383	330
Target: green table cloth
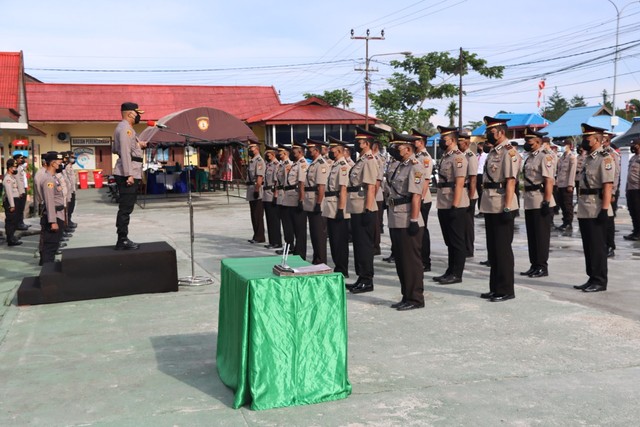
282	341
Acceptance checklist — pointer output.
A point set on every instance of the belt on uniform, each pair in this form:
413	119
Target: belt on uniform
250	183
446	185
136	159
279	187
493	185
314	188
330	193
290	187
58	209
586	191
399	201
354	189
535	187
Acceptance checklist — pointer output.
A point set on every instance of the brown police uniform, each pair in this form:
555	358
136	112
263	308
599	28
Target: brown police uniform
295	179
633	195
315	180
426	161
565	180
380	202
611	226
472	170
53	213
270	202
254	197
287	199
10	202
337	219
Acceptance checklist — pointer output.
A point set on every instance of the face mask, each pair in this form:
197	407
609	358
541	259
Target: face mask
528	147
59	170
491	138
585	144
443	145
308	155
252	154
136	120
486	148
14	172
358	148
395	153
332	155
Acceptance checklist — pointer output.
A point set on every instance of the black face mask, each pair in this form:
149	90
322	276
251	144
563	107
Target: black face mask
528	147
491	138
487	148
252	154
60	168
442	144
332	155
585	144
136	120
14	172
308	155
358	148
395	153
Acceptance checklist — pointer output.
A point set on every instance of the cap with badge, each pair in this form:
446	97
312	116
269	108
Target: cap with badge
416	132
587	129
313	143
403	138
493	121
131	106
446	130
284	147
532	133
295	144
362	133
334	142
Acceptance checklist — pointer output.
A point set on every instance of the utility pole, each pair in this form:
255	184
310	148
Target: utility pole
460	96
367	80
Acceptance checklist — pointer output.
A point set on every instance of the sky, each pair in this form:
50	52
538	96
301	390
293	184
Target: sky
306	46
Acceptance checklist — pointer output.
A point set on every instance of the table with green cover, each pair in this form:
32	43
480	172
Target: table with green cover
282	340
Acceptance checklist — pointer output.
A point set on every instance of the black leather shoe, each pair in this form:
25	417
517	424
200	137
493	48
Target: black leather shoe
633	237
273	246
361	288
611	253
350	286
595	288
487	295
498	298
58	252
582	287
539	272
438	278
280	251
72	224
64	239
389	259
485	263
126	245
426	268
62	245
23	227
449	280
528	272
15	242
398	304
67	235
409	306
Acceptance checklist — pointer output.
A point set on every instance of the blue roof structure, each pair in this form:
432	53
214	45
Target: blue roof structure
515	121
569	123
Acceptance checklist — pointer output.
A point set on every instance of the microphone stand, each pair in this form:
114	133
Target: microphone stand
192	280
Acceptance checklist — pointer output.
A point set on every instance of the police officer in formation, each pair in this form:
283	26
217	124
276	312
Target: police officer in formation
538	173
464	141
594	207
424	157
296	177
287	195
452	203
313	189
270	199
405	185
21	181
52	220
498	206
11	202
70	175
255	176
362	206
617	162
565	179
633	191
334	206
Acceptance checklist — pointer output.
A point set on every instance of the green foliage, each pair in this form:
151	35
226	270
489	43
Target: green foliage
577	101
452	113
557	105
419	79
338	97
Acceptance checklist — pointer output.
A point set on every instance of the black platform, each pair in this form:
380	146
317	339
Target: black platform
102	272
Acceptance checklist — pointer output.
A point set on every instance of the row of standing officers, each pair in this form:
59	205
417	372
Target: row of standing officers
342	200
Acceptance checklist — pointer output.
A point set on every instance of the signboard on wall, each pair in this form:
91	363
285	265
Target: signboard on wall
90	141
85	157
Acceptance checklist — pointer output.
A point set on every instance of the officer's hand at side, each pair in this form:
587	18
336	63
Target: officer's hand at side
367	217
603	215
340	214
506	216
54	226
316	208
256	194
544	208
299	208
413	228
454	212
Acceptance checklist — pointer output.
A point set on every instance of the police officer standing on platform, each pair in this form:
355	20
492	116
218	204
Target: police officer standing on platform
464	141
452	203
298	175
127	171
498	206
10	201
426	160
334	207
270	199
594	207
287	195
71	178
52	220
538	203
405	184
314	189
362	206
255	176
22	190
633	190
565	178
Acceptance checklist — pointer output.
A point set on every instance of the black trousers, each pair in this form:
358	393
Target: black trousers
564	199
20	202
595	249
479	188
272	212
470	235
286	219
426	237
318	235
362	236
11	220
454	234
611	232
408	266
257	220
378	228
499	238
128	197
298	219
633	202
338	230
71	206
538	237
49	239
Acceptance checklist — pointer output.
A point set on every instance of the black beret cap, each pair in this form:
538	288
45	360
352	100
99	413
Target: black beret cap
316	143
532	133
335	142
400	138
492	121
446	130
50	156
587	129
130	106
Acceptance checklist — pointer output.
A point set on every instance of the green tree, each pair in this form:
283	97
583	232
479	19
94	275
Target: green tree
556	106
474	124
577	101
338	97
419	79
452	113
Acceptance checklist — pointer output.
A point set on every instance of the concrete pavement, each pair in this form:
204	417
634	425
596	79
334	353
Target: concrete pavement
552	356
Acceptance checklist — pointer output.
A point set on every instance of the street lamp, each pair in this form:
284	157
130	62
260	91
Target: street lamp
615	58
367	81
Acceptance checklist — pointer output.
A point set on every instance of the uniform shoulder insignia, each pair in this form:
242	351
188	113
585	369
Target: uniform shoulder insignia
470	154
512	152
321	161
605	154
49	184
343	169
129	132
369	156
549	158
414	161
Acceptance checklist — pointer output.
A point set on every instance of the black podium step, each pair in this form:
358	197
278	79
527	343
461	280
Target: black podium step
102	272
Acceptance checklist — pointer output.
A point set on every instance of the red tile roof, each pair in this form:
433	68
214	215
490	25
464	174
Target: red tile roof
10	71
309	111
101	102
